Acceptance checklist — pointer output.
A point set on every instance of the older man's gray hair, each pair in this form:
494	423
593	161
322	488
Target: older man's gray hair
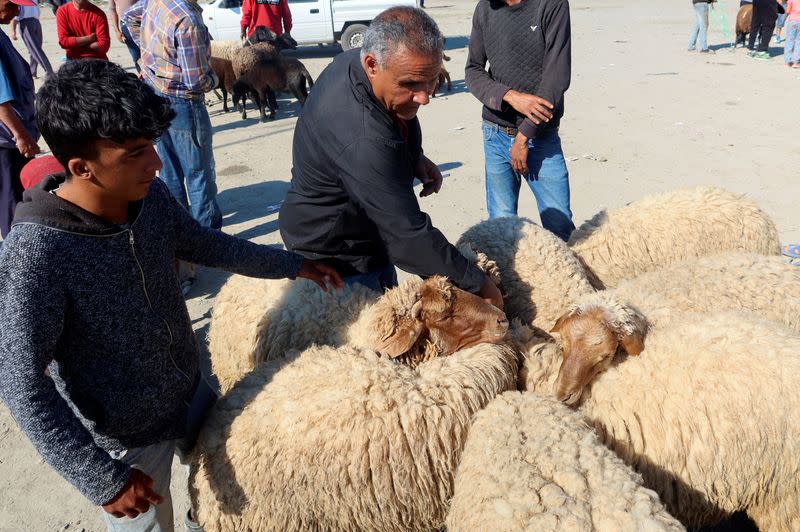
401	27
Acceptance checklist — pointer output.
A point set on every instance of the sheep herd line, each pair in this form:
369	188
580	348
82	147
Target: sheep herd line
256	69
647	380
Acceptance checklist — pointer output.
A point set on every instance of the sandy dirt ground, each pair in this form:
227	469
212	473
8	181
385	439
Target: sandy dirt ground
643	115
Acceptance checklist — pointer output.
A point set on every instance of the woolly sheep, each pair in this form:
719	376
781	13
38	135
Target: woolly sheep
225	49
342	439
594	326
708	413
258	319
540	275
744	21
531	463
662	229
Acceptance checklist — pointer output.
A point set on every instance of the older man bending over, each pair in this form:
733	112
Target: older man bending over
357	149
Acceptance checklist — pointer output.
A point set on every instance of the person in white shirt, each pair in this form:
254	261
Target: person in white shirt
31	30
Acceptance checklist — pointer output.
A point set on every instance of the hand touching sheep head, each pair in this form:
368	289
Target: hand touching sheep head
591	333
432	320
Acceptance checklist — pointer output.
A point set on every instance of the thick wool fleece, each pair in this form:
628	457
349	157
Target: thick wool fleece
255	320
665	228
708	413
342	439
225	49
531	463
763	284
540	274
246	59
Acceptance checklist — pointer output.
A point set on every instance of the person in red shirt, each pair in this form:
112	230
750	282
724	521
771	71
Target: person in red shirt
83	30
269	13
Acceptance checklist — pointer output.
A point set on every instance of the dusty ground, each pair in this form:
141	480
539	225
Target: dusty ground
643	116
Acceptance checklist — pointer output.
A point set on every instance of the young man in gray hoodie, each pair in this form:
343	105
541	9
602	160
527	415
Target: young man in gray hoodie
98	360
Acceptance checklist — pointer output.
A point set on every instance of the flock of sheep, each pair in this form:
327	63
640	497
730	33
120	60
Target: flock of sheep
256	69
648	381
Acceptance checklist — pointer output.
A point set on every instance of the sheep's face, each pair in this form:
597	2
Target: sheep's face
590	339
588	348
442	320
455	319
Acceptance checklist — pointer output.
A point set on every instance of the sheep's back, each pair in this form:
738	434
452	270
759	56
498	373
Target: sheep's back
341	439
662	229
225	49
705	413
764	284
531	463
539	274
255	320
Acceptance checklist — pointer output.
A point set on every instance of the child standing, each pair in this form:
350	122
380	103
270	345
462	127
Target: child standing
99	364
791	46
31	31
82	30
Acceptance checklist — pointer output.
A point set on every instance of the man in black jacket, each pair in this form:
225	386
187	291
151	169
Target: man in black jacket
527	43
357	149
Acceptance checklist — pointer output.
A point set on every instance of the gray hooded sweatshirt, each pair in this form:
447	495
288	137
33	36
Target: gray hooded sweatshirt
97	351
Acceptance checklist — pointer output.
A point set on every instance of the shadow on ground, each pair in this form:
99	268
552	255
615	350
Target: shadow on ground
250	202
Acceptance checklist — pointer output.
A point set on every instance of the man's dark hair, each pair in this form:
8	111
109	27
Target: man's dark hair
92	99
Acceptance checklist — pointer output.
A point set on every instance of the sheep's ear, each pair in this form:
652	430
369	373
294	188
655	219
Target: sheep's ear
633	344
560	322
399	333
631	339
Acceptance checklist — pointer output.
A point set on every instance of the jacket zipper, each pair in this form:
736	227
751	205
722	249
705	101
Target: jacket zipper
150	304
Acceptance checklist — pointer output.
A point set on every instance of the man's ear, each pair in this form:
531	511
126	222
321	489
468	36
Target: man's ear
370	65
79	168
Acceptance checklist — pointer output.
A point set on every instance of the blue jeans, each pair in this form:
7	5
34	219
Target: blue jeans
379	280
131	44
156	461
700	27
186	151
547	177
791	48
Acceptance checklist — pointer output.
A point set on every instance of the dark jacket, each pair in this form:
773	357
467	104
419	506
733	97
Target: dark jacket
528	46
100	307
351	200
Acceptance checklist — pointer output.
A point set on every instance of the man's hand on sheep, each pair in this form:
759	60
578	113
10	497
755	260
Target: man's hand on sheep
135	497
429	175
491	293
320	273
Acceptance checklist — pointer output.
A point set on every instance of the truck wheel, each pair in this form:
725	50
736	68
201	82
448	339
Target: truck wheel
353	36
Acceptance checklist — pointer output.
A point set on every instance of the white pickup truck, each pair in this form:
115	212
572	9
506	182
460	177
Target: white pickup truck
313	21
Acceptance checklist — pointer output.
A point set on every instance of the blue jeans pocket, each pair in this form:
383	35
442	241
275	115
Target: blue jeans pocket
488	131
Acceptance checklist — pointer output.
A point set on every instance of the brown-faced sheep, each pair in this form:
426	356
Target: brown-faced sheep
596	324
531	463
662	229
708	413
256	320
342	439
